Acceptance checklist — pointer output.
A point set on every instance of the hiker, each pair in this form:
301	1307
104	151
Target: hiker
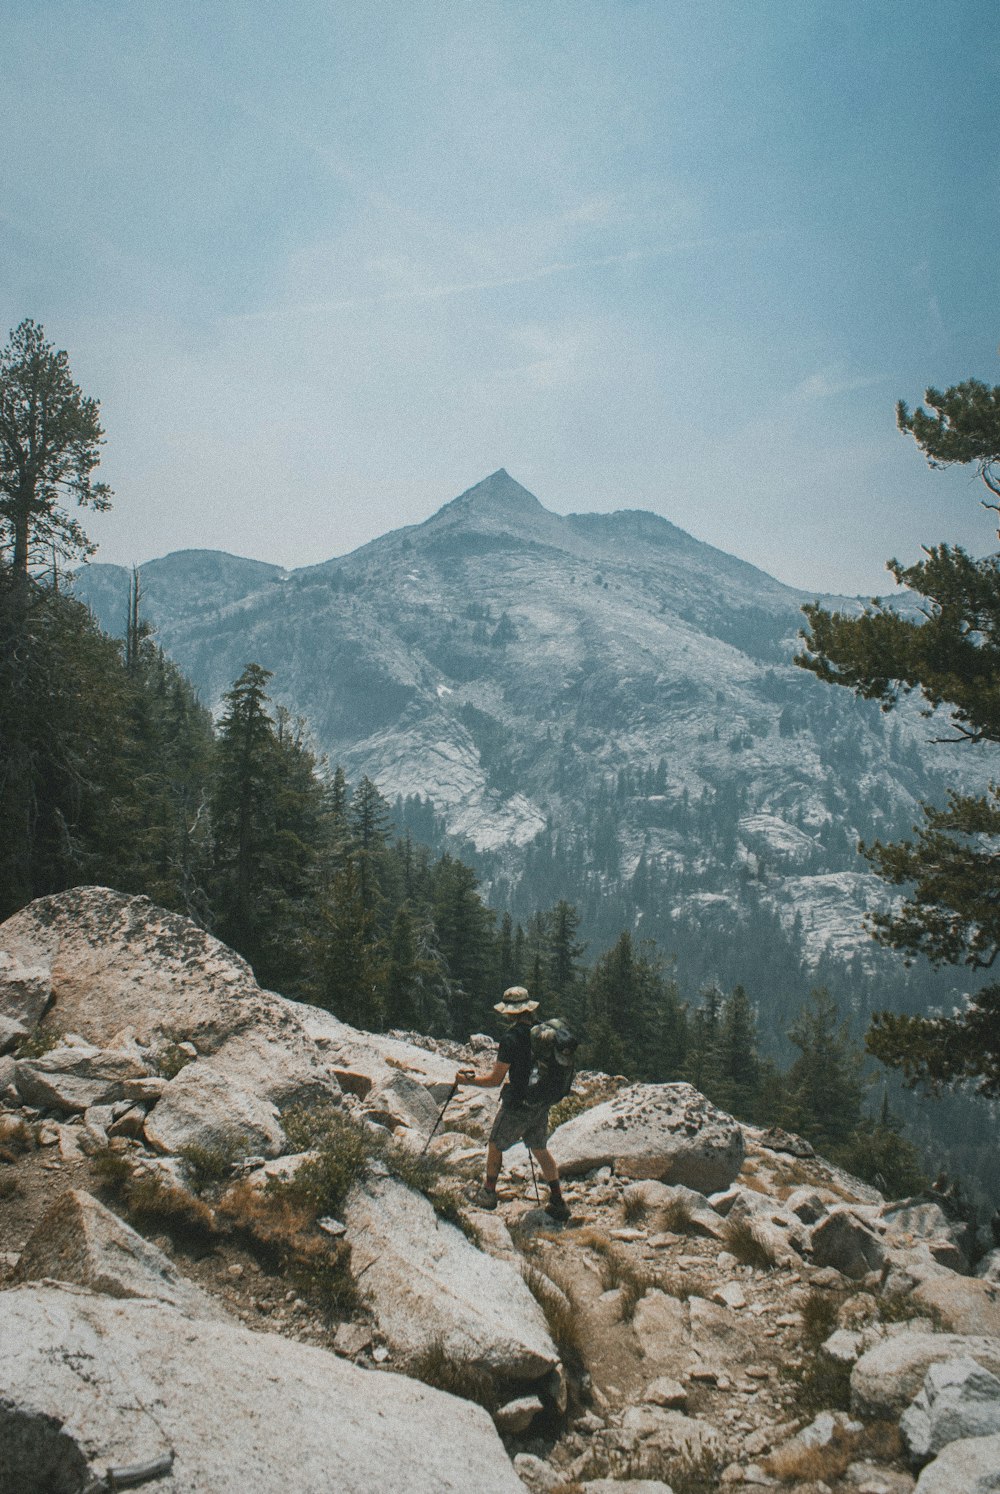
517	1119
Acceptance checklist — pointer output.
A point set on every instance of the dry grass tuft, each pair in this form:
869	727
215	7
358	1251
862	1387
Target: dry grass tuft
879	1441
560	1312
634	1209
742	1241
675	1217
438	1367
684	1473
16	1137
152	1203
281	1232
158	1205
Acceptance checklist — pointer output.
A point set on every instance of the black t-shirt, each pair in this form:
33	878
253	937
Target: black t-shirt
515	1050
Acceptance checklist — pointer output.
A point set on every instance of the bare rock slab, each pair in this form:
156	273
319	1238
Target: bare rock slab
87	1382
74	1078
428	1285
201	1107
25	989
664	1131
79	1240
971	1466
114	962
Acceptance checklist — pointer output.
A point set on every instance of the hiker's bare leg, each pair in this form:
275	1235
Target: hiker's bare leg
547	1164
494	1162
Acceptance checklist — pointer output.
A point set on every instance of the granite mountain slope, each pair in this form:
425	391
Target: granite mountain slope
601	688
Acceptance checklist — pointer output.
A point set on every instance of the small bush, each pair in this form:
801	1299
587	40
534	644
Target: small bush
39	1042
438	1367
741	1240
205	1165
343	1150
170	1059
9	1187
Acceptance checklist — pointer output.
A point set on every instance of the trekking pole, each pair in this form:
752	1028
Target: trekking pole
538	1196
444	1107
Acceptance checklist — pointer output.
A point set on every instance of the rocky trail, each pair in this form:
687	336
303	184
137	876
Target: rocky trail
225	1264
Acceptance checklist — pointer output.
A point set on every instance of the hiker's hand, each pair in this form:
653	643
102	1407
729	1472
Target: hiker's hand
465	1076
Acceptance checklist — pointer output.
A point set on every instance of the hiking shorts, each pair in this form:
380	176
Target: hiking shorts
527	1123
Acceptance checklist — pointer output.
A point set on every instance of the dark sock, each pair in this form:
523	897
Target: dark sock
555	1192
491	1184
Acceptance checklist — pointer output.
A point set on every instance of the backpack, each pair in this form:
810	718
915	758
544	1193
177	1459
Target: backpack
553	1062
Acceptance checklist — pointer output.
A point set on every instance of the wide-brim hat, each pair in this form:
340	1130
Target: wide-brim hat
515	1003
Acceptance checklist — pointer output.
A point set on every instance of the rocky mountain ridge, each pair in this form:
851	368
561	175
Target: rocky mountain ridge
724	1309
597	706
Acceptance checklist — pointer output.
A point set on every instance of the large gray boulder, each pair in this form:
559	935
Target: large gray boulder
664	1131
964	1304
959	1399
88	1383
971	1466
430	1286
79	1240
886	1378
201	1107
76	1077
117	964
845	1242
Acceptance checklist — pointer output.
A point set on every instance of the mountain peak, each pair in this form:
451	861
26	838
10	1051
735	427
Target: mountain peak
499	493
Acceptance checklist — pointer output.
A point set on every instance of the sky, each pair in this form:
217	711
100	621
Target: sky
326	265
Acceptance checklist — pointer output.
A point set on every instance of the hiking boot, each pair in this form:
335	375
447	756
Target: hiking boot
484	1198
556	1208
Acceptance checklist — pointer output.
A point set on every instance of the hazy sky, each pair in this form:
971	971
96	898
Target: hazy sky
328	264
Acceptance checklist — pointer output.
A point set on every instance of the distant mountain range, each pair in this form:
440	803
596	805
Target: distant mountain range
598	706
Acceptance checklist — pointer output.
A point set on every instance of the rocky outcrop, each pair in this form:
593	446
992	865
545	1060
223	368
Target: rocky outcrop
959	1399
76	1077
200	1107
81	1241
428	1285
119	964
886	1378
664	1131
89	1384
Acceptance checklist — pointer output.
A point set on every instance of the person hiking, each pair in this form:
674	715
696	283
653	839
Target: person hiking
518	1119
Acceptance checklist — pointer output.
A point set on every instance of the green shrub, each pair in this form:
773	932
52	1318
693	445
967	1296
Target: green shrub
169	1059
205	1165
41	1041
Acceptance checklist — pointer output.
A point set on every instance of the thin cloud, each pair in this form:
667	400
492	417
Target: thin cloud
501	282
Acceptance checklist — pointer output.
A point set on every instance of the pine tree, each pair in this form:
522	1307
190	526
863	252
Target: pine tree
824	1082
951	657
